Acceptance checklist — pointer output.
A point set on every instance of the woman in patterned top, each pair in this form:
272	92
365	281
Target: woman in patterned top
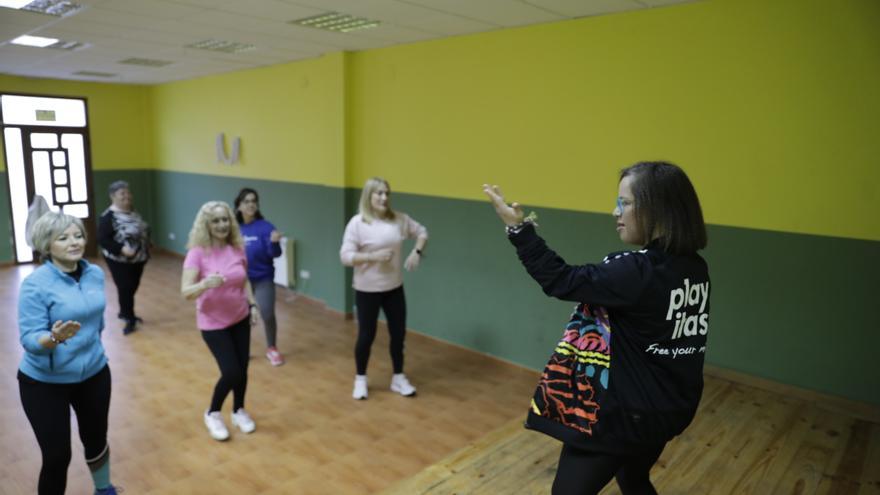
615	411
124	238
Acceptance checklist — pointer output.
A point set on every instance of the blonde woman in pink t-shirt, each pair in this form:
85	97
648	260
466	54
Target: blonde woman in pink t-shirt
215	275
372	245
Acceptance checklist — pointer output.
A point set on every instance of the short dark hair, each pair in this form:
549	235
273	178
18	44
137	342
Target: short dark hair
667	207
238	199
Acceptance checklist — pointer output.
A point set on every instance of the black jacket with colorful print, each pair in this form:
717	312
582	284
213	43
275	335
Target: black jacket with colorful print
656	307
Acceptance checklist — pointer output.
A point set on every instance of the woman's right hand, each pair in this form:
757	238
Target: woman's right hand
214	280
64	330
381	255
509	214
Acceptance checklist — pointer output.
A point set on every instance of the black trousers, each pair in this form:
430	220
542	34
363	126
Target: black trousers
47	407
393	303
586	473
231	348
127	277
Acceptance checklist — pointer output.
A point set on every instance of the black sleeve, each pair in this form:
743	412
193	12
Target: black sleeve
616	282
105	234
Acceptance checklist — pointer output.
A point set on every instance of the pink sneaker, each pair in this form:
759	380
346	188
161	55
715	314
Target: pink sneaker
275	358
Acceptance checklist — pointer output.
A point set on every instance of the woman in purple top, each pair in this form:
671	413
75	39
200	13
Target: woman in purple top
262	243
215	275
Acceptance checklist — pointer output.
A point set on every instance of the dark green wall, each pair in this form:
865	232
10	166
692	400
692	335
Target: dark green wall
310	214
793	308
797	309
6	254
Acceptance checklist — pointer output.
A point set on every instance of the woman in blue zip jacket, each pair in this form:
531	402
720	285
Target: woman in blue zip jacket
60	320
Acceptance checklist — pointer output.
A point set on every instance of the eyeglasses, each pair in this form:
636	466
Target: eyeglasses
622	204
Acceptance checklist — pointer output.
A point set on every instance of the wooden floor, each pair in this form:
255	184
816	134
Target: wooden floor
744	440
462	435
311	438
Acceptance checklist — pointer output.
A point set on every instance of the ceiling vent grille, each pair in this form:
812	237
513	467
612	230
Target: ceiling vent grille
91	73
145	62
336	22
222	46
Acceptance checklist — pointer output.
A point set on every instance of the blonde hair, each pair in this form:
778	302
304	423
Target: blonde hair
49	227
200	234
365	207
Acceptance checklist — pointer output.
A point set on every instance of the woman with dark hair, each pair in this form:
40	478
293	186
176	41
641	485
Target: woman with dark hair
124	238
262	243
60	321
615	412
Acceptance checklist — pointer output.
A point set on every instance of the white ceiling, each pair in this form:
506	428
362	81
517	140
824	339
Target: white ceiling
115	30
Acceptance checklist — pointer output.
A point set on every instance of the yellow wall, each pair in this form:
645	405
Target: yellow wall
119	118
290	119
770	105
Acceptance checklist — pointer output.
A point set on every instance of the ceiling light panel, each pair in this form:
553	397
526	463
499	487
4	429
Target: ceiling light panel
58	8
221	46
336	22
35	41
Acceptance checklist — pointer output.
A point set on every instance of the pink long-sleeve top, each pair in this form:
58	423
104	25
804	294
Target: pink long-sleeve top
363	237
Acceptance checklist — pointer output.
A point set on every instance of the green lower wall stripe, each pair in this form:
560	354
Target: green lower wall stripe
792	308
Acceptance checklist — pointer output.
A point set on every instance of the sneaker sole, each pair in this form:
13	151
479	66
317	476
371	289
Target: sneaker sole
395	390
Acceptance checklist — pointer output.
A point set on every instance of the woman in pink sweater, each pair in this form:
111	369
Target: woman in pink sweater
215	275
372	245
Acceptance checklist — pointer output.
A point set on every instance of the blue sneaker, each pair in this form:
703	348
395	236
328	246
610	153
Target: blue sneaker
110	490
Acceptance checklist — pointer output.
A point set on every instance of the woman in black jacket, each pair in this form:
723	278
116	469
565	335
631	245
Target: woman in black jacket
614	412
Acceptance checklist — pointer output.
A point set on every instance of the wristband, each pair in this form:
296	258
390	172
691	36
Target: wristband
516	229
418	251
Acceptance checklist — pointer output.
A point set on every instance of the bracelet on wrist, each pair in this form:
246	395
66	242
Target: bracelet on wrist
517	228
418	252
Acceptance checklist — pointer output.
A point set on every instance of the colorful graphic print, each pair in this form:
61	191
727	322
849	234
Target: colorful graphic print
577	372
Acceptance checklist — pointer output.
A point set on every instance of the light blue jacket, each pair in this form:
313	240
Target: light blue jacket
48	295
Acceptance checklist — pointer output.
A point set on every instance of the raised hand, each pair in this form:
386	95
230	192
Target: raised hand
509	214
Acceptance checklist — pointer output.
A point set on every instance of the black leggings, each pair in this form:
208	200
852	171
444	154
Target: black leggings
586	473
127	277
231	348
393	303
47	407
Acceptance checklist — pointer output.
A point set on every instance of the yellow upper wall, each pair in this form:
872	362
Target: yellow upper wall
290	119
119	118
770	105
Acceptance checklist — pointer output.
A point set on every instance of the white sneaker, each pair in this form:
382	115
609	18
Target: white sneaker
360	387
243	421
215	425
402	386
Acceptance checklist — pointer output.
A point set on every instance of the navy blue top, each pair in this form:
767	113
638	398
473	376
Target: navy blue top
260	249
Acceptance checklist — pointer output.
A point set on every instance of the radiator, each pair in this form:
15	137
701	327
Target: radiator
285	266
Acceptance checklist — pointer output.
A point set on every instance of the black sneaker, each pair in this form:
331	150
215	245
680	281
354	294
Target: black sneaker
130	327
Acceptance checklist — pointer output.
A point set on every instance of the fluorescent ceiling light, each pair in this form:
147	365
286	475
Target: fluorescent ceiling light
37	41
14	4
336	22
222	46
